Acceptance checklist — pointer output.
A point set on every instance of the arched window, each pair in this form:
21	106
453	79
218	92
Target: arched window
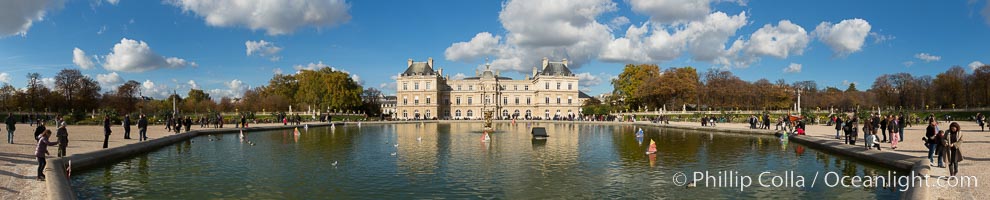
416	113
546	114
405	114
529	113
427	114
457	113
515	113
505	113
470	113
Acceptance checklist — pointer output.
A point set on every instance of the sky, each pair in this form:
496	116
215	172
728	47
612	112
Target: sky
227	46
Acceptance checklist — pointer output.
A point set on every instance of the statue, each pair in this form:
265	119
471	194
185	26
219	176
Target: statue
488	119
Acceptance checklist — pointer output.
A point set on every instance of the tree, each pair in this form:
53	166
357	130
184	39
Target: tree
629	81
950	86
371	99
852	88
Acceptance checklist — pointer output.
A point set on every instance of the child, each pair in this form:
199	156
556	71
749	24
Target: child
42	151
876	142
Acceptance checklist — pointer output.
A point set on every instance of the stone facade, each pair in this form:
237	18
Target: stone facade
550	92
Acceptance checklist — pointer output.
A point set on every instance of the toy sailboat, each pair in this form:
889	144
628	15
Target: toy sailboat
653	148
639	133
485	137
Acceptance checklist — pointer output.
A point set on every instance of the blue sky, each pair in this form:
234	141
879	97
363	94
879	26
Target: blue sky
166	45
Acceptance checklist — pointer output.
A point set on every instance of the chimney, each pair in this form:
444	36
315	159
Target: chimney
440	71
565	61
545	63
534	68
410	63
496	72
429	61
527	77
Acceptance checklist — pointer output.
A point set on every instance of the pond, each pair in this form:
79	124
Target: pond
449	160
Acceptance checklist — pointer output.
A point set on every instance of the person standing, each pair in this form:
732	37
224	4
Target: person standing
838	127
63	139
894	137
127	127
106	131
930	141
142	128
243	121
42	151
883	127
11	122
980	119
868	133
900	127
954	140
38	130
188	123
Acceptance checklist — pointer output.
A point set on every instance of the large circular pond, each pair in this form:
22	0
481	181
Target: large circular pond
449	160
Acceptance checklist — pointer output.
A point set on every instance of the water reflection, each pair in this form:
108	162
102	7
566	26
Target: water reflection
447	160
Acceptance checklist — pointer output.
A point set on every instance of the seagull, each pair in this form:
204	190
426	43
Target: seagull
396	145
419	139
334	163
393	153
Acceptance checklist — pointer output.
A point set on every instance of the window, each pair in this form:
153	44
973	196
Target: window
529	113
416	86
547	85
405	101
558	86
405	86
548	100
569	100
569	86
458	100
525	87
427	114
470	87
427	100
517	100
469	101
457	113
488	100
515	87
558	100
416	100
458	87
505	100
416	113
427	85
527	101
505	113
470	113
515	113
405	114
547	114
446	113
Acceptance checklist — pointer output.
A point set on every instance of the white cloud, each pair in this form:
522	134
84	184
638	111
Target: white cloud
908	63
80	58
587	79
704	39
927	57
235	89
973	65
17	16
844	38
102	29
793	68
263	48
618	22
986	12
277	70
192	84
136	56
157	91
482	44
276	17
669	11
114	2
108	81
48	82
5	78
459	76
779	41
880	38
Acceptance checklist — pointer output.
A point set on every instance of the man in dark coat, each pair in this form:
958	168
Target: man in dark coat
143	128
106	131
127	127
63	139
11	122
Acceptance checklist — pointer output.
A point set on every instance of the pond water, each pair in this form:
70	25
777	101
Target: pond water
449	160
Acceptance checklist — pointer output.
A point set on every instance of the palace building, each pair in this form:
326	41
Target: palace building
551	91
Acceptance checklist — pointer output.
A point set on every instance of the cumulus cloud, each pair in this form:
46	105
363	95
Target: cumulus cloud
80	59
192	84
459	76
136	56
668	11
482	44
17	16
618	22
587	79
109	81
793	68
5	78
276	17
704	39
880	38
234	89
48	82
263	48
277	70
844	38
157	91
779	41
973	65
311	66
114	2
927	57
